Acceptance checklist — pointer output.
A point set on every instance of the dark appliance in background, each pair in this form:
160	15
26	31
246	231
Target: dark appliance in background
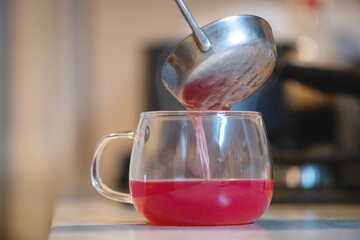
310	163
317	154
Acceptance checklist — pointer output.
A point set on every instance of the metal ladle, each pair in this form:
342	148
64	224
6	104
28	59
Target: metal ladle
222	63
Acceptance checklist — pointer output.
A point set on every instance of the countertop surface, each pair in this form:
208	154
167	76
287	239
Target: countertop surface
99	218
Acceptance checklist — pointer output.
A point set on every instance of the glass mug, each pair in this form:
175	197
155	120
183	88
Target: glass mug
195	168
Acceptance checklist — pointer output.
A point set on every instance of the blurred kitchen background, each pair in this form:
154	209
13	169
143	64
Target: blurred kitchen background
74	70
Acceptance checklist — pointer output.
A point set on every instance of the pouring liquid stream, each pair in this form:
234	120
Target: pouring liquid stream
216	90
199	96
201	147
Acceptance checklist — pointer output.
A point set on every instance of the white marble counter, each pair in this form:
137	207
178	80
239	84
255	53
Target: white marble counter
99	218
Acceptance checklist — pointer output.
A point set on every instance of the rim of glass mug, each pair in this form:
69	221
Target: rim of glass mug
200	112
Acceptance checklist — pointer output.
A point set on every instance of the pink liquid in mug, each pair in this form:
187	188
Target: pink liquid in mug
202	202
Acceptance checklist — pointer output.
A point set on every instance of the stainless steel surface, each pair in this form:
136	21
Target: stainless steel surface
243	54
200	37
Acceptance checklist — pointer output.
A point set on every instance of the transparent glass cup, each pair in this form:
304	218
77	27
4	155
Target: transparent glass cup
195	168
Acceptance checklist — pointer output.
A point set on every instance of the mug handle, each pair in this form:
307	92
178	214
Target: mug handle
96	179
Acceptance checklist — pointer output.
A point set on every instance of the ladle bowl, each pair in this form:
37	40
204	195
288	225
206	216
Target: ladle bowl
241	58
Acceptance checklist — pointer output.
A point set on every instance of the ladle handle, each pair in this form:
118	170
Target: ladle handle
201	39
